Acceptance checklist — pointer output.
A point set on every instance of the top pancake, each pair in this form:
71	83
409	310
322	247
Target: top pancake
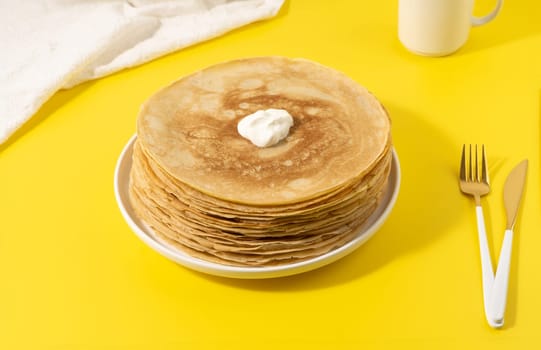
190	129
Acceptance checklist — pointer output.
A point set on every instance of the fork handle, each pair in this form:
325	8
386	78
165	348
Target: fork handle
501	281
486	263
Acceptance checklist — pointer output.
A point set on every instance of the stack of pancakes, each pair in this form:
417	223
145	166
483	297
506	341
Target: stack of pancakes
214	195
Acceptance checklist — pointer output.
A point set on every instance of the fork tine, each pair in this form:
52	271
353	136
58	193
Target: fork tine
470	172
463	164
477	177
484	169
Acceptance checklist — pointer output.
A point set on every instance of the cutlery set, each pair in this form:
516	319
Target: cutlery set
474	181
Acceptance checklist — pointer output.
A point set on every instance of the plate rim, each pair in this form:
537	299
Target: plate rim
121	177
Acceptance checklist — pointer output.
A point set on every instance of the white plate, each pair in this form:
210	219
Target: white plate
142	231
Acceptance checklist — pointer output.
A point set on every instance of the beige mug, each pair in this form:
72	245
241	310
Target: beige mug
438	27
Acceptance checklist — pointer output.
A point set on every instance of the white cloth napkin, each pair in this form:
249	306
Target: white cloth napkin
49	45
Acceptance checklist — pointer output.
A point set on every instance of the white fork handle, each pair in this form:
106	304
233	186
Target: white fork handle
486	263
501	281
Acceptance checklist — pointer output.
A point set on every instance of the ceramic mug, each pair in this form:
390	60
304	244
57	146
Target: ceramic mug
438	27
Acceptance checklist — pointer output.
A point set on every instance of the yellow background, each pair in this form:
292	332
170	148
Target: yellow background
73	275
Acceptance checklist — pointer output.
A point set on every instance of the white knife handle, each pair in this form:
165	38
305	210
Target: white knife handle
486	263
501	281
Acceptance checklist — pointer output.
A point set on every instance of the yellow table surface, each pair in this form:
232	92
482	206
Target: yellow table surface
73	275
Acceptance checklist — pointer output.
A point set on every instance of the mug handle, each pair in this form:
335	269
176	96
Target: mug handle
477	21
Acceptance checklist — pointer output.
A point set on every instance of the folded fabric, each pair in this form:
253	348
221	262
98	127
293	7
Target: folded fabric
49	45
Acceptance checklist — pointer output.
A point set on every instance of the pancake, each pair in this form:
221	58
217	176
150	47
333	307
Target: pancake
214	195
190	129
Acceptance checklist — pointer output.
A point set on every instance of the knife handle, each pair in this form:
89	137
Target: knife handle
501	281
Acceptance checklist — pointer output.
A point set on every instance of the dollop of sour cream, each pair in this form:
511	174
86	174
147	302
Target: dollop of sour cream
266	128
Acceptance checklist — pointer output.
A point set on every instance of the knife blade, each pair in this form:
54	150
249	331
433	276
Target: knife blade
512	194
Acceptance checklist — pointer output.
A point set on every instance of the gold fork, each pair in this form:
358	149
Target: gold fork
475	182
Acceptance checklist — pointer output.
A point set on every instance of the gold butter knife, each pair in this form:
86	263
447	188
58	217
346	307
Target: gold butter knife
512	194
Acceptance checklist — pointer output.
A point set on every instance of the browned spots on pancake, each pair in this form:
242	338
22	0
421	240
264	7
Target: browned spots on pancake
315	139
